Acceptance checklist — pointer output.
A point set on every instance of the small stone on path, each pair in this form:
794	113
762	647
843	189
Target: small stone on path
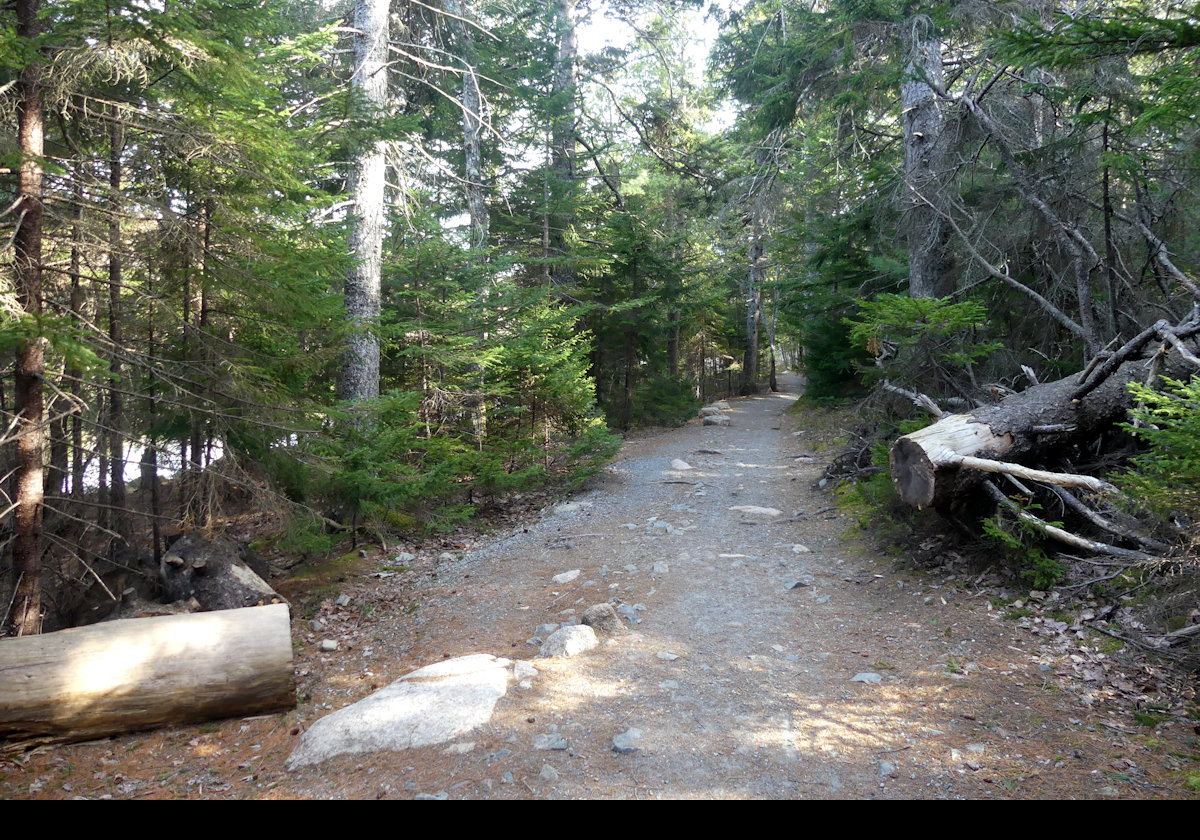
660	568
867	677
667	655
551	741
678	464
569	641
566	577
755	510
628	741
604	618
548	774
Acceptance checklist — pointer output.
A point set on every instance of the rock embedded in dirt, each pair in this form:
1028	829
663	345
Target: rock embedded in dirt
569	641
680	464
549	741
755	510
716	420
548	774
660	568
629	741
431	705
523	670
603	617
667	655
867	677
566	577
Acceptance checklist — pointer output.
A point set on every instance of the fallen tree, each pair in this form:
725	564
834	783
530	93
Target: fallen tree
942	462
121	676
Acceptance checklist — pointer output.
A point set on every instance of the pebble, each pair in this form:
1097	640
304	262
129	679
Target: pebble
548	774
523	669
629	567
660	568
628	741
404	557
342	600
551	741
667	655
329	644
678	464
436	797
507	779
801	549
867	677
566	577
569	641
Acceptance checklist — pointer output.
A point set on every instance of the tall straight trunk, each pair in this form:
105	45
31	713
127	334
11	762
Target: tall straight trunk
925	161
359	378
562	144
74	373
471	105
749	384
26	615
149	481
116	400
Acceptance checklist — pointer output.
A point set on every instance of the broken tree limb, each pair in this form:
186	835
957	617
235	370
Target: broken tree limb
1057	533
141	673
1045	477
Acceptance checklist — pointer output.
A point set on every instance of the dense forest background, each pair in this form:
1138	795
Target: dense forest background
375	266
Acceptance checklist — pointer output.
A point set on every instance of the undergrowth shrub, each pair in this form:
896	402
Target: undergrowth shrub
1165	478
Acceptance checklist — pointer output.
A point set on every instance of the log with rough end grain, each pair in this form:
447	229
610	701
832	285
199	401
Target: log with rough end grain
934	466
141	673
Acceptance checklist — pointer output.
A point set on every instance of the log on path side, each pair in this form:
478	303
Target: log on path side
141	673
939	463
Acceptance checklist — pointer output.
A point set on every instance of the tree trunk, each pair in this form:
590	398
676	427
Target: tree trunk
359	378
941	464
142	673
26	617
925	153
562	145
749	384
116	399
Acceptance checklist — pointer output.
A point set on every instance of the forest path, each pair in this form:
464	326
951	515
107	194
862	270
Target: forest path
741	684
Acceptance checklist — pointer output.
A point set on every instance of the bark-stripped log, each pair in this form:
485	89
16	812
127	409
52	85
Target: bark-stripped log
121	676
927	466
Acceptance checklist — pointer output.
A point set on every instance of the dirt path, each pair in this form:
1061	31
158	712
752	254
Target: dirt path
740	674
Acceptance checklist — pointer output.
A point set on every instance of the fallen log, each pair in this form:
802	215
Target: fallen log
121	676
927	466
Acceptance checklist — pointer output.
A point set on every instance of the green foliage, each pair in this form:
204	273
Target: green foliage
1166	477
1021	544
921	333
661	401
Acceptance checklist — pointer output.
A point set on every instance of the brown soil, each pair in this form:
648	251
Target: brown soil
975	698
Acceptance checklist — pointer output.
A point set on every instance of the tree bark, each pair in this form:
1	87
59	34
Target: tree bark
561	216
929	256
142	673
26	616
359	378
749	383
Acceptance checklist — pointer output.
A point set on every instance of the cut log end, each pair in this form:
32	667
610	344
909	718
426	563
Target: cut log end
913	474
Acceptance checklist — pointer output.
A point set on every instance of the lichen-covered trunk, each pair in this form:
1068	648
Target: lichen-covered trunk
359	378
925	163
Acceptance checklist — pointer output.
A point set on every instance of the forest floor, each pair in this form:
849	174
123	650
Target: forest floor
741	682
